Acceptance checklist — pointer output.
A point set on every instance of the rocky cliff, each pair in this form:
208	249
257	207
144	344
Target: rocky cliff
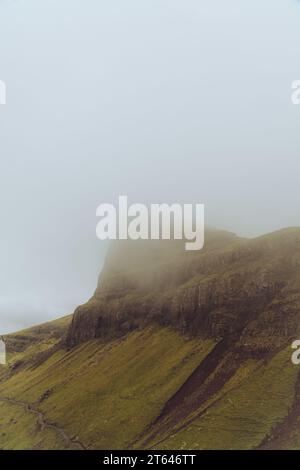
175	350
244	290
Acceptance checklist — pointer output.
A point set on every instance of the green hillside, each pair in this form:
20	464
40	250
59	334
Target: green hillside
110	395
183	352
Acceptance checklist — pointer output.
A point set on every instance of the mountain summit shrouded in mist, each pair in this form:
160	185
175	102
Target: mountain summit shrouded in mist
175	350
161	119
162	101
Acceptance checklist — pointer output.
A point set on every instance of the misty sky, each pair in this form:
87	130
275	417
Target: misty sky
161	100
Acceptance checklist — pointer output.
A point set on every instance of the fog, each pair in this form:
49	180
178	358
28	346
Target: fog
161	100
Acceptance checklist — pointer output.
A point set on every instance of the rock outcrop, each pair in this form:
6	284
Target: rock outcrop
244	289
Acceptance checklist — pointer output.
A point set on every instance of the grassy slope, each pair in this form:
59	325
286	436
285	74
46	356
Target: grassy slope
110	394
19	430
26	344
244	413
106	394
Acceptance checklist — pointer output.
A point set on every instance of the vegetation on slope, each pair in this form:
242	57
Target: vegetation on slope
110	395
107	394
180	352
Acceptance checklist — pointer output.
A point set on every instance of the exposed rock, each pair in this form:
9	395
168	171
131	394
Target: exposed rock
239	288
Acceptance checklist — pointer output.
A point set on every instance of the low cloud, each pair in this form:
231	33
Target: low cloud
16	314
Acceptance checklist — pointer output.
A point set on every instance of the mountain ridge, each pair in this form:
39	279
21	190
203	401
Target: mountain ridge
200	294
175	350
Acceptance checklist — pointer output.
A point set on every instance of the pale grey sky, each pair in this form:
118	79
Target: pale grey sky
162	100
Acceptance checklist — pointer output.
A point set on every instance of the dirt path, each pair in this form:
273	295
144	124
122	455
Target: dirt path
43	423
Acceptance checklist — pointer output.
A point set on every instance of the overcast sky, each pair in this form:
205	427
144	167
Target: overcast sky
162	100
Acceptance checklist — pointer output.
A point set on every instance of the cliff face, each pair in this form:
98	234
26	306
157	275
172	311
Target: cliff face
194	353
247	290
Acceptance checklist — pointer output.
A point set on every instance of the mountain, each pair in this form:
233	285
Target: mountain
175	350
